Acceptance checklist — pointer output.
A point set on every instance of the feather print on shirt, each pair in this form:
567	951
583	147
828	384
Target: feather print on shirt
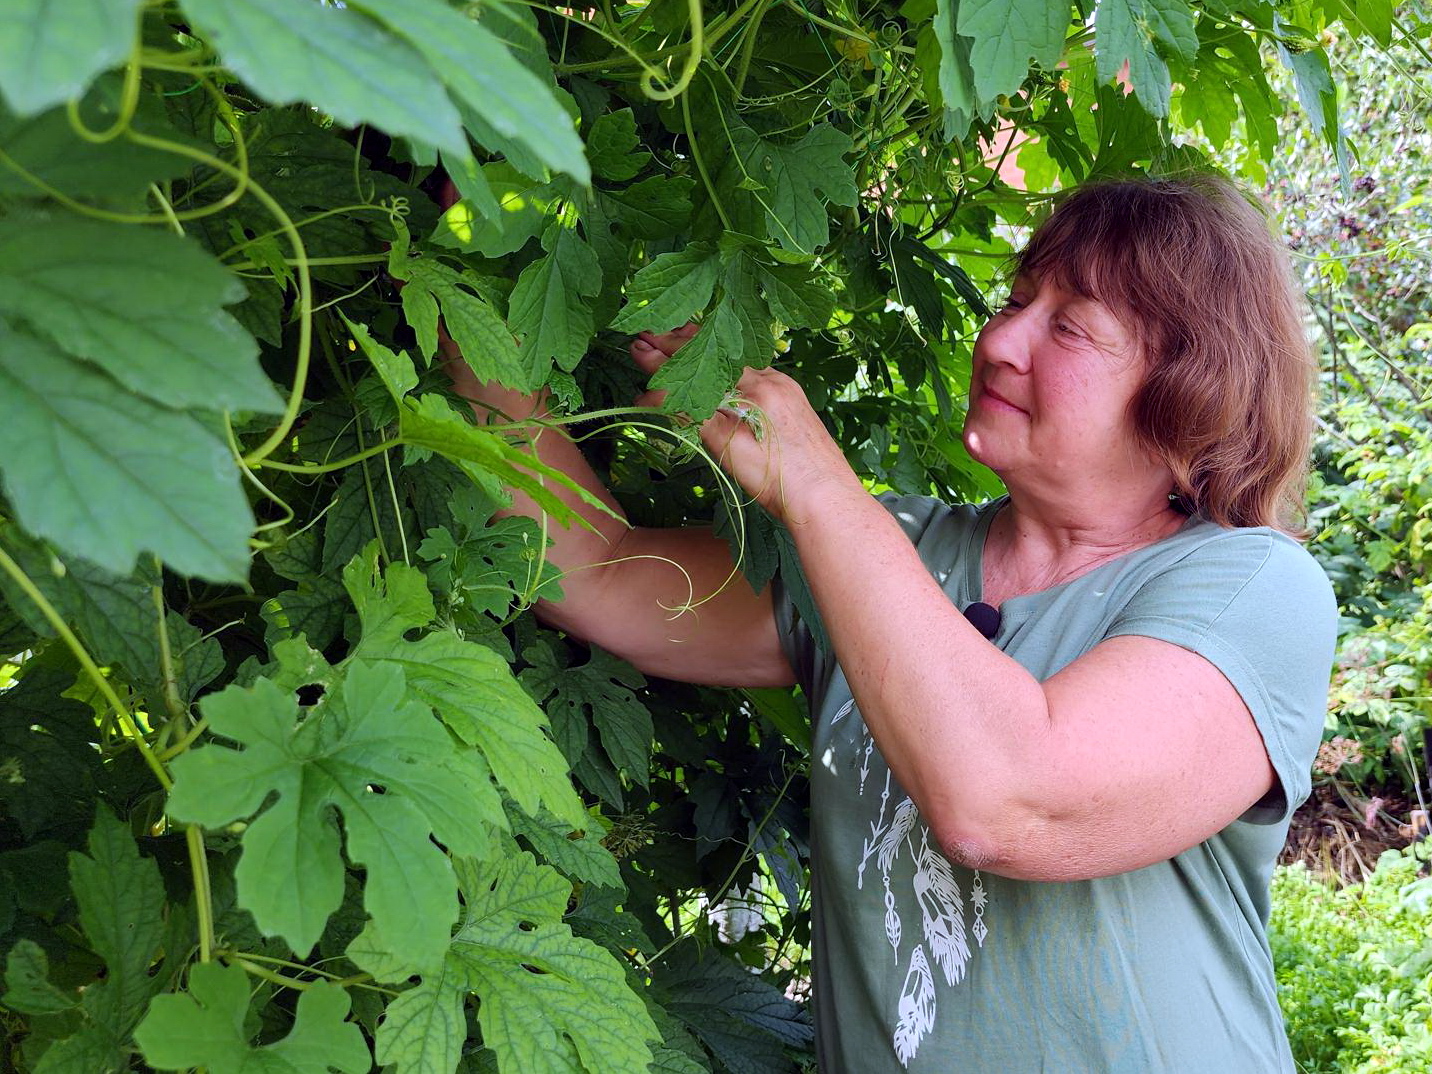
917	1008
944	936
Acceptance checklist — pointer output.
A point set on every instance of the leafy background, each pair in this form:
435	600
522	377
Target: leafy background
290	777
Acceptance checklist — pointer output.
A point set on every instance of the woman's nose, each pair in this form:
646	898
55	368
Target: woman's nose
1005	339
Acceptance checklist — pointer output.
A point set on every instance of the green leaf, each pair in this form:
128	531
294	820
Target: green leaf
1007	37
50	50
493	567
793	179
579	855
796	297
519	215
698	376
598	693
478	330
469	685
481	72
334	58
48	148
1313	81
121	908
107	476
549	1002
1374	17
430	423
670	291
205	1027
956	78
738	1015
654	208
143	304
613	147
47	751
27	982
395	369
742	293
113	615
368	735
551	309
424	1028
1125	31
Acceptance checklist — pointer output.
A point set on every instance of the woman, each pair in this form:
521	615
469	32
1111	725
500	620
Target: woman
1048	849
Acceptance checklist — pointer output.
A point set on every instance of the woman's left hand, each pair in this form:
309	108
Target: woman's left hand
768	438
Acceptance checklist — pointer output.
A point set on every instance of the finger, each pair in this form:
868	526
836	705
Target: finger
448	195
647	356
651	399
671	342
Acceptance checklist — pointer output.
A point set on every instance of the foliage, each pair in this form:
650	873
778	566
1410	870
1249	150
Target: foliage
1364	251
1354	969
290	777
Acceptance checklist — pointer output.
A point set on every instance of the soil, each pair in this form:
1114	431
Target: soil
1340	833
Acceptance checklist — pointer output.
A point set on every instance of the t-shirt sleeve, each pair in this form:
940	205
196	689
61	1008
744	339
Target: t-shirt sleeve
921	517
1258	607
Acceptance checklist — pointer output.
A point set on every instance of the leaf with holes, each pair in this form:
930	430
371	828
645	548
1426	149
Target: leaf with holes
469	685
368	751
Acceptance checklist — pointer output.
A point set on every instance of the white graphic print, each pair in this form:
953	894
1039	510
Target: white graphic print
936	893
917	1008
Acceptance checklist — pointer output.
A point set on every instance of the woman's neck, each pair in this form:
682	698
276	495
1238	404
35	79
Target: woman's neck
1031	547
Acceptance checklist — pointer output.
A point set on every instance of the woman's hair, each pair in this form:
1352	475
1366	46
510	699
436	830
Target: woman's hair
1193	266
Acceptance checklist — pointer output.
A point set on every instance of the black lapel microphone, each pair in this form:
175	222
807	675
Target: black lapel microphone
984	617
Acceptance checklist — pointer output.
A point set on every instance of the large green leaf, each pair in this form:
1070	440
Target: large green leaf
204	1027
336	59
478	329
121	910
1126	31
598	693
113	615
107	475
1007	36
428	422
795	182
50	50
481	72
121	904
670	291
144	305
370	751
698	376
550	1002
551	308
469	685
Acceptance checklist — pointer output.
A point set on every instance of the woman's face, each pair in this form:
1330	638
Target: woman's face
1053	375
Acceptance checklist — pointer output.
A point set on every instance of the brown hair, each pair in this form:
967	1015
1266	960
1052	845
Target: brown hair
1193	266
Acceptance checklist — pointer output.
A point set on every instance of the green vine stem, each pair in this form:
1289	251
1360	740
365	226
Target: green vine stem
305	282
701	163
128	99
203	891
693	59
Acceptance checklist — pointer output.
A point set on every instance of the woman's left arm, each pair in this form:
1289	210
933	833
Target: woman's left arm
1133	753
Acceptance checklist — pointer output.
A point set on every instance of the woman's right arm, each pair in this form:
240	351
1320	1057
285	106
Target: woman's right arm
625	587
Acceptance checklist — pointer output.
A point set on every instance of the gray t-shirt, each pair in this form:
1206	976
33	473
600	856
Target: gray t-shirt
924	966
